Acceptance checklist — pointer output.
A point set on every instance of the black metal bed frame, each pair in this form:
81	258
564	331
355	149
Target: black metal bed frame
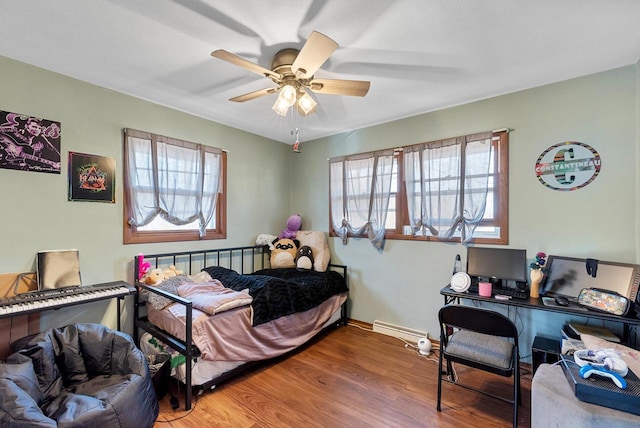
249	259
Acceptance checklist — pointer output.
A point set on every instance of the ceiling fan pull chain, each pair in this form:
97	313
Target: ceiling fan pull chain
296	145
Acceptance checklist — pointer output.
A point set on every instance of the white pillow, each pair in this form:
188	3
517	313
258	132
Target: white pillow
317	240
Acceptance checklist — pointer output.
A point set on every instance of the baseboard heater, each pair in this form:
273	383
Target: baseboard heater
399	331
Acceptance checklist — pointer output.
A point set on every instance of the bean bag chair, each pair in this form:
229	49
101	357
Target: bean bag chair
77	376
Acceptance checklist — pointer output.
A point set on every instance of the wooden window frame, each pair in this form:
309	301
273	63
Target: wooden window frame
132	236
501	200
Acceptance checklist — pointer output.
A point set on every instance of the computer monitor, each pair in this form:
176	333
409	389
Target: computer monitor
566	276
497	264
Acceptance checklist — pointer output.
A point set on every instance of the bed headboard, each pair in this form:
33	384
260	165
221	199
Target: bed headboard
241	259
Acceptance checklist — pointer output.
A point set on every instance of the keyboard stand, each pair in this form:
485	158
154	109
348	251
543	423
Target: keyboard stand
35	302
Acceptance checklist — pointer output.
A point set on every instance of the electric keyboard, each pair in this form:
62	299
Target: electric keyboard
37	301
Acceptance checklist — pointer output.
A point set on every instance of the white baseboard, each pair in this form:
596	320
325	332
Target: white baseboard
399	331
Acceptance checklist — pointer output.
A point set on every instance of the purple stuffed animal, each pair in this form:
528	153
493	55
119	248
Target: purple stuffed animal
294	223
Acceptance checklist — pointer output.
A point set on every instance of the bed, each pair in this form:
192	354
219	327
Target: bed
229	310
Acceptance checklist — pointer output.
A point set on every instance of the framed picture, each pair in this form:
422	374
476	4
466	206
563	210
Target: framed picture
92	178
29	143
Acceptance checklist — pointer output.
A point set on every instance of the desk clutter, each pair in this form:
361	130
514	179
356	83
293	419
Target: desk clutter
500	293
581	284
587	387
595	383
600	371
492	272
554	404
596	371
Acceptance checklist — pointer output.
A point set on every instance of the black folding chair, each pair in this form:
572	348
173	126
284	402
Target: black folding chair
481	339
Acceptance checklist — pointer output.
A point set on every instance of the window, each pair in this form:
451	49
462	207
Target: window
454	189
360	192
174	190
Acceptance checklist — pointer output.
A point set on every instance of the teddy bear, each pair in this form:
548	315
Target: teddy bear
171	271
154	277
294	223
266	239
304	258
284	253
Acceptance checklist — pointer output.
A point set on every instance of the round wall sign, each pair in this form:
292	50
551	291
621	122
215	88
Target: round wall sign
568	166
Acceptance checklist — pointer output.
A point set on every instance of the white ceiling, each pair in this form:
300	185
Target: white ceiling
420	55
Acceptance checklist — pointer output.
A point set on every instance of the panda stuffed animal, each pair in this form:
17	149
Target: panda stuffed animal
284	253
304	258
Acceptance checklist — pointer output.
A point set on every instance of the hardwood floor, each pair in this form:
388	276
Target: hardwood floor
351	377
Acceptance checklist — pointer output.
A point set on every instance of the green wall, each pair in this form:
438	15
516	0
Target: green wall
401	284
36	215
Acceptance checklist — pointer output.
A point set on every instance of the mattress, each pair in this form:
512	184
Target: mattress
228	340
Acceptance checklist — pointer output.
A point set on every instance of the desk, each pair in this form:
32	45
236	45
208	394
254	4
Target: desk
450	296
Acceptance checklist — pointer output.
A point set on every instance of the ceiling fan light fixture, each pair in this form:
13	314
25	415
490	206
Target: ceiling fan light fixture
292	70
281	106
288	94
306	103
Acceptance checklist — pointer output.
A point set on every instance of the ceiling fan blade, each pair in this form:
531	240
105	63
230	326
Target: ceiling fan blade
253	95
355	88
316	50
246	64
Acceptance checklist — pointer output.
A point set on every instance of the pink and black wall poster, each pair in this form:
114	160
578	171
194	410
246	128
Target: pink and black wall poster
29	143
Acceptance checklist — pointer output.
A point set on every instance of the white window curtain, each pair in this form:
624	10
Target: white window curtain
446	185
360	188
174	179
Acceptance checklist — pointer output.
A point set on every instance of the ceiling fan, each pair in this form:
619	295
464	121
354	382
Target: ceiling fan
293	73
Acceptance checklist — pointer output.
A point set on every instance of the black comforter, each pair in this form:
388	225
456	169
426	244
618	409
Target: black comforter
280	292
